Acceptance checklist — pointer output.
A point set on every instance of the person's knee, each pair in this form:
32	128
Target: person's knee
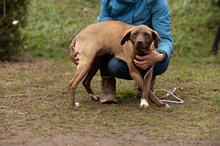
160	68
118	69
115	66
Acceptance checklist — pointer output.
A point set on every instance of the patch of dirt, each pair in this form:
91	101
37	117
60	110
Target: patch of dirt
25	138
30	91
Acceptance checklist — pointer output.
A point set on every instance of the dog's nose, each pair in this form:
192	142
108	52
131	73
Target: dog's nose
139	42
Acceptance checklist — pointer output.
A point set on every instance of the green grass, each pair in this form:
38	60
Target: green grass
52	25
34	95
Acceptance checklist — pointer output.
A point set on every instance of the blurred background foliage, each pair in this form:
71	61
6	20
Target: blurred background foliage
194	25
51	25
13	16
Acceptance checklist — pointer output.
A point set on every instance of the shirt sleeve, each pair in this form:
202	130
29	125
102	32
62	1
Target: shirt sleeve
104	13
161	23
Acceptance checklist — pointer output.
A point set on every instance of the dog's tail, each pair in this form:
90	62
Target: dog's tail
71	50
72	45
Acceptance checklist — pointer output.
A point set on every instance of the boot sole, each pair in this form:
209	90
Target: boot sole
108	101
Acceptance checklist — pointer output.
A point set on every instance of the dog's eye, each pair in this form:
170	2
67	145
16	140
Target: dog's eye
146	35
135	34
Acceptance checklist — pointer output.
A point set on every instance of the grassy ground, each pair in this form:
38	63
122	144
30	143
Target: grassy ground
34	103
55	23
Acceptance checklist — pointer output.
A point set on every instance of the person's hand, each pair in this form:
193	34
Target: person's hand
149	59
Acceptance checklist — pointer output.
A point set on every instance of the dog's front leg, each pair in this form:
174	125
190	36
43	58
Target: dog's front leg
148	93
157	101
146	90
135	74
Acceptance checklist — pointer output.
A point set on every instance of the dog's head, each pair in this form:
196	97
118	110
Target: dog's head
141	37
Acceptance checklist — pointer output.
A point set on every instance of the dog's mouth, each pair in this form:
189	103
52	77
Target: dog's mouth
141	49
140	46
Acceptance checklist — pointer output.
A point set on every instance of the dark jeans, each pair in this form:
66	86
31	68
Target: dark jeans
113	67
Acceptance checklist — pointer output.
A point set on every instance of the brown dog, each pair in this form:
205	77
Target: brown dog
120	39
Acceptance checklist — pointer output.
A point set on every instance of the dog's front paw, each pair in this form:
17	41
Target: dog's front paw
94	97
144	104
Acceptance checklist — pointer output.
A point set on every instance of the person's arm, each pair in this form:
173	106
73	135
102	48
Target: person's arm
151	58
104	13
161	24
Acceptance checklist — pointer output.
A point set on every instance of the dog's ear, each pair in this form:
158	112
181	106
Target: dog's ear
126	37
156	38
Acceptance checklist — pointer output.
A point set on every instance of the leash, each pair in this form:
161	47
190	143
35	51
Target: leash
168	93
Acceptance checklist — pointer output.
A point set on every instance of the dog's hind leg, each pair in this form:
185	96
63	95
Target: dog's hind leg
81	70
87	80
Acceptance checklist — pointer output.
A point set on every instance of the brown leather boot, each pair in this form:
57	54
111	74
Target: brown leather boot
108	90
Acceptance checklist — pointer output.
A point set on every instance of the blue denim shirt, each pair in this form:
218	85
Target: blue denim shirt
153	13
